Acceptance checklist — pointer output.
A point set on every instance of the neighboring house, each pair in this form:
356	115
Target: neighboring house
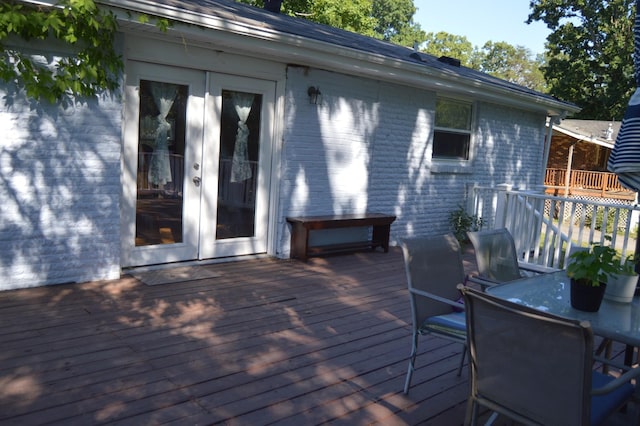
577	163
236	118
592	142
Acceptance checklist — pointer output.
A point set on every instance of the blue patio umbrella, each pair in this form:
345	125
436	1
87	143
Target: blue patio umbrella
624	160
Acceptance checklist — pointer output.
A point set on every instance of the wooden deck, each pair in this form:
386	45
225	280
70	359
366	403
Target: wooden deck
586	183
267	341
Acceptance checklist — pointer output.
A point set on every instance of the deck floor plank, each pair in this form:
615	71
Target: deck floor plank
266	341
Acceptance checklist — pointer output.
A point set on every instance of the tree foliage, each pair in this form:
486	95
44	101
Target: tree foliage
352	15
394	22
515	64
511	63
589	53
91	66
390	20
446	44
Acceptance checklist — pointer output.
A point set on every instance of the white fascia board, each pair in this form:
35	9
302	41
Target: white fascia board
582	138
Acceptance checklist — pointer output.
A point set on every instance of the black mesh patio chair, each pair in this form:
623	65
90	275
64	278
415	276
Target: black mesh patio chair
536	368
497	259
434	268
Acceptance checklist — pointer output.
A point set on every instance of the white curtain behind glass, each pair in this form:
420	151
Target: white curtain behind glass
159	168
240	167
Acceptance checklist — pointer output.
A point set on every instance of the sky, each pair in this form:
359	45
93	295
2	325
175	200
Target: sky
482	21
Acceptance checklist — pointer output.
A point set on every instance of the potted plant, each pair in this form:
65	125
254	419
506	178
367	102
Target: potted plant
622	285
589	271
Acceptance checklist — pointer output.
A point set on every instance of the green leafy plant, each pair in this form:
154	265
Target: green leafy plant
628	264
90	63
91	66
461	222
596	265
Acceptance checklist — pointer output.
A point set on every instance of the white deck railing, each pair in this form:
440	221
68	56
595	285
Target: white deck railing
545	227
176	170
237	194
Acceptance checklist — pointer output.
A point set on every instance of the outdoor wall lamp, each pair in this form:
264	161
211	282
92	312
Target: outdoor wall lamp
315	96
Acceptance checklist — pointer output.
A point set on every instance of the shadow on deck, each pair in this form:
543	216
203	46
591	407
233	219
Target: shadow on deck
266	341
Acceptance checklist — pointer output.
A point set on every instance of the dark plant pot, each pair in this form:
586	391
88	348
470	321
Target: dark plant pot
585	297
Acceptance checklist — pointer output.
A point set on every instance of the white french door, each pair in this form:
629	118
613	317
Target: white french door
238	127
196	165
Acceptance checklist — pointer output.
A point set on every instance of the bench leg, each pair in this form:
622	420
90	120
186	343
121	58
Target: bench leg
380	237
299	241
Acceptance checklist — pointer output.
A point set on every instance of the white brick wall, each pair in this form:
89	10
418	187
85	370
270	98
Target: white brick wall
508	147
60	190
367	148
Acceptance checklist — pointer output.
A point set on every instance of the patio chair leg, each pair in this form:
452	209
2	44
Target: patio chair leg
607	354
412	360
492	419
471	417
605	346
628	355
462	357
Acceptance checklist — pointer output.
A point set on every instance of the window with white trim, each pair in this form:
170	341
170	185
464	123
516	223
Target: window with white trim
452	132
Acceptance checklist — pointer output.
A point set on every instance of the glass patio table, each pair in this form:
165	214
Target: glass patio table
550	293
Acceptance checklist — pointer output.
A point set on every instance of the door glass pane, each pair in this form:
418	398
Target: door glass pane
161	143
238	170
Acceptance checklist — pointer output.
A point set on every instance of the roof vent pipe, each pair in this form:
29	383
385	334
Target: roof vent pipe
273	5
608	134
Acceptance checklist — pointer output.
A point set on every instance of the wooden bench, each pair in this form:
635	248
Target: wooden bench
300	227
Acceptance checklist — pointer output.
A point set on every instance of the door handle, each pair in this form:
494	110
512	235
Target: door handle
197	180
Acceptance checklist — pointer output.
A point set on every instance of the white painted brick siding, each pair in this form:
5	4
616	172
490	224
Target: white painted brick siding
60	214
367	147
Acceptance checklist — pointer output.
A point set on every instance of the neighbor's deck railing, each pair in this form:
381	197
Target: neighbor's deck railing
545	227
584	180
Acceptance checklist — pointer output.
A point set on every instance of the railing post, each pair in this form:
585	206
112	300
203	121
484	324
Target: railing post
537	220
501	205
472	200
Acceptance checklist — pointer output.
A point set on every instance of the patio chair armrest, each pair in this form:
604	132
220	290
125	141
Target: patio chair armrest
481	281
626	377
534	267
452	303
